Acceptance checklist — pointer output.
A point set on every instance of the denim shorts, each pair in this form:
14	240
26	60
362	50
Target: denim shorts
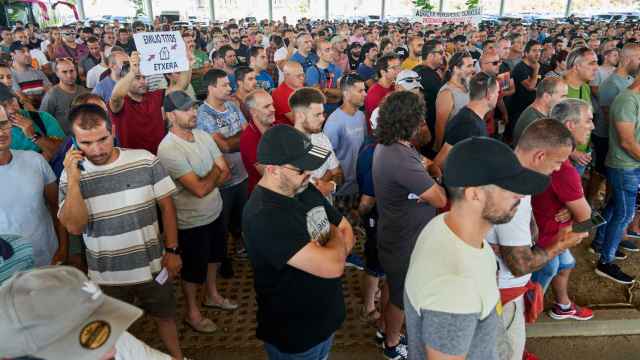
563	261
318	352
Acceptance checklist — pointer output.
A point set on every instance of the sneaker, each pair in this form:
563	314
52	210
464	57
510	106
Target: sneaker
613	272
633	235
241	254
619	254
574	312
355	261
379	339
629	245
398	352
529	356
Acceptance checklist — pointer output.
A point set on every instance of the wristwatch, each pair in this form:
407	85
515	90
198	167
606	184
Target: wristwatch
173	250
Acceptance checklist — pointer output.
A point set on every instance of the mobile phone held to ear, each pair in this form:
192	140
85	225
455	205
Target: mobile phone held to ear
586	226
75	146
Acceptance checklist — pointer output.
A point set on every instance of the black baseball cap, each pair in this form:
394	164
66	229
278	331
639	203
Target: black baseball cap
283	144
177	100
479	161
17	45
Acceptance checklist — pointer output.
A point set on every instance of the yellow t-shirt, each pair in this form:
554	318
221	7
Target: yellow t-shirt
448	275
409	64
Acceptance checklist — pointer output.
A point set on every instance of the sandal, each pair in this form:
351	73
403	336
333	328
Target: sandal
205	326
226	304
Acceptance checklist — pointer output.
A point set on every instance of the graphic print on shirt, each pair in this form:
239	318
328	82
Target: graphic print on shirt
318	225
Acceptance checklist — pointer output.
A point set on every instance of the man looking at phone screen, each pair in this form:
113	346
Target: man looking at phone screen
565	191
544	147
112	203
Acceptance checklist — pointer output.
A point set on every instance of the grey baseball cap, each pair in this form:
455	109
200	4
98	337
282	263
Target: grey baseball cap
177	100
56	313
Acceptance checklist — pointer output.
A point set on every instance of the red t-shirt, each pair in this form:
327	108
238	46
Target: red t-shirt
139	125
565	186
249	139
374	97
281	103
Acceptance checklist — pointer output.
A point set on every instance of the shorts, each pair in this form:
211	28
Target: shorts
561	262
395	268
155	299
201	246
600	149
372	263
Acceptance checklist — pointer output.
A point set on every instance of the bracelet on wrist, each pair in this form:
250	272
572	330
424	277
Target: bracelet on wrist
35	137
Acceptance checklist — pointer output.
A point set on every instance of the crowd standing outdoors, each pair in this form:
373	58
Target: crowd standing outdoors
473	157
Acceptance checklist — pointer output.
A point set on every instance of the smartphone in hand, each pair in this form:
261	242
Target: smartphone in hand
595	221
76	147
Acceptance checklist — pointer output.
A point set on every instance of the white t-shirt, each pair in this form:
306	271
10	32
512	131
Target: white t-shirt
93	75
448	275
516	232
128	347
279	55
374	118
320	139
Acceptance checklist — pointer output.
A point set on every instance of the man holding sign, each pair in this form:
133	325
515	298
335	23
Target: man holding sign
136	112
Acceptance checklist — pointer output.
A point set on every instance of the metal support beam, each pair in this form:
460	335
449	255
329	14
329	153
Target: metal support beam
212	10
501	7
270	9
567	11
382	10
150	10
441	6
80	6
326	9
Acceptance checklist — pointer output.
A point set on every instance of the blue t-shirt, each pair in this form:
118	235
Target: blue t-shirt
265	81
366	72
306	62
364	166
326	79
104	88
228	123
347	134
232	82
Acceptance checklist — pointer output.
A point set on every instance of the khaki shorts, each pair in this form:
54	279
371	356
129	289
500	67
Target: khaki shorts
155	299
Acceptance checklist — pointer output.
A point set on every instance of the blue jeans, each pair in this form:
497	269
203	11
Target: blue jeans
318	352
619	211
563	261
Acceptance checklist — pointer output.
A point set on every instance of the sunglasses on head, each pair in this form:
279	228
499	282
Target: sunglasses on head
69	59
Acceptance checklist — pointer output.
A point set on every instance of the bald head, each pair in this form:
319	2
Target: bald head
293	74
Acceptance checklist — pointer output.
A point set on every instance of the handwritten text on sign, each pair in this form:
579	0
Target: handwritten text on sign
161	52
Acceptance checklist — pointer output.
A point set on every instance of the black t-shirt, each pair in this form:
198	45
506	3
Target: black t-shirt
296	310
523	96
431	84
464	125
242	53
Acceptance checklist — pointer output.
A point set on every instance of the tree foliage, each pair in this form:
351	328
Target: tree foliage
472	4
423	5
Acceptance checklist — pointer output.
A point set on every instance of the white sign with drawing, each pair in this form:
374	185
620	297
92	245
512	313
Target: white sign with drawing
161	52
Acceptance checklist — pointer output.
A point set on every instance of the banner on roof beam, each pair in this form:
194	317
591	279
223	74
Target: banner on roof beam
467	17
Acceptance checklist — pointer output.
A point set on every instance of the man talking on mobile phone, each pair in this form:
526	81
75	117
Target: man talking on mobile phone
112	203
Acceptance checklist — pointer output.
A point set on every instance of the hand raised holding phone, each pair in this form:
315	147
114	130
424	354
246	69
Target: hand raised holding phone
73	164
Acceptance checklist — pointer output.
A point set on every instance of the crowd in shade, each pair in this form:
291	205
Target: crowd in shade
452	167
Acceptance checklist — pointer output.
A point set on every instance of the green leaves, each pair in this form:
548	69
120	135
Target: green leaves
472	4
424	5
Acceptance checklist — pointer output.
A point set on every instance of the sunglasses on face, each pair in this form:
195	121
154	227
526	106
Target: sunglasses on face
410	80
494	63
68	34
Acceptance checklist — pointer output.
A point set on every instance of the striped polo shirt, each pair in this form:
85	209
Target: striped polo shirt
122	235
20	260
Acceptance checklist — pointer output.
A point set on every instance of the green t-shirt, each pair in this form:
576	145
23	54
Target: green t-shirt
528	116
584	93
201	58
625	108
20	142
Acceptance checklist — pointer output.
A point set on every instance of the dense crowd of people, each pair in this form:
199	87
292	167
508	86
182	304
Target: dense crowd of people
470	158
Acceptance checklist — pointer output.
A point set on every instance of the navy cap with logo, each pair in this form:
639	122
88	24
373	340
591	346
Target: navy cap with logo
283	144
177	100
480	161
17	45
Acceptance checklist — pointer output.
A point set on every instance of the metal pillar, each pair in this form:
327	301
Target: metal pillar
80	6
326	9
212	10
150	10
270	9
501	7
567	11
382	9
441	6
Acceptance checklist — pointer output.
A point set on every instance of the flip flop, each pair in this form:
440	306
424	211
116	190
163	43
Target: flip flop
205	326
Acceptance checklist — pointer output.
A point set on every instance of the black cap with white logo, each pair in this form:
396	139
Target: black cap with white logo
283	144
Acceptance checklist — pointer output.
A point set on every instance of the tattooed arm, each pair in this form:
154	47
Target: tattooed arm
522	260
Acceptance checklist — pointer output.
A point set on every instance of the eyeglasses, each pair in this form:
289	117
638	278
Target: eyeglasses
298	171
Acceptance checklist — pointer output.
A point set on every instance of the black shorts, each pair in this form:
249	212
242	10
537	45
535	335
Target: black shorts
395	268
372	263
233	200
201	246
600	149
157	300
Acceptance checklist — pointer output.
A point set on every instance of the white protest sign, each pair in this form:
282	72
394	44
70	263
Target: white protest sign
161	52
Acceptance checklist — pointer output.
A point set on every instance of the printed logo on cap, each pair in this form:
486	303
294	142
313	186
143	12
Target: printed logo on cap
95	334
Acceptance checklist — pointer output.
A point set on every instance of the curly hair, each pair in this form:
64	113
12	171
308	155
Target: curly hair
400	115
